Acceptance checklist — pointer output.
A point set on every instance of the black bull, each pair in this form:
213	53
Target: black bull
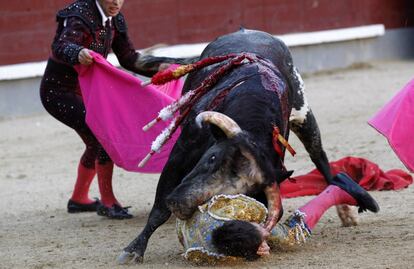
234	157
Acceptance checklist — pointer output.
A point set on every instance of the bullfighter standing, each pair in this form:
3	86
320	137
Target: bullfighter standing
83	26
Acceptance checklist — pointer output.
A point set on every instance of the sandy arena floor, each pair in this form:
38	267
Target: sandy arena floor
38	160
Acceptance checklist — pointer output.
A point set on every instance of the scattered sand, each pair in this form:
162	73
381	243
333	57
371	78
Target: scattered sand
38	160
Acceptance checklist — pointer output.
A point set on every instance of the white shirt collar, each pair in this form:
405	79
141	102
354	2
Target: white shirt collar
104	17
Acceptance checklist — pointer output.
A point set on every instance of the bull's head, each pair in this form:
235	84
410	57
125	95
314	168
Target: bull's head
231	166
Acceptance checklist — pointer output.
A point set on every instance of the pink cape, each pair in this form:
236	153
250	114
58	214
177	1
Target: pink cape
117	107
396	122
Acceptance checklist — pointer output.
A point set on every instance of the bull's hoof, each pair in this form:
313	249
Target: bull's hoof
129	257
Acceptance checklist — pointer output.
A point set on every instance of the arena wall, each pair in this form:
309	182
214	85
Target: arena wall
27	26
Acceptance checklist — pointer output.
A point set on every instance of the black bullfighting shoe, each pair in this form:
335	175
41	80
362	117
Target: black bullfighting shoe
114	212
74	207
364	199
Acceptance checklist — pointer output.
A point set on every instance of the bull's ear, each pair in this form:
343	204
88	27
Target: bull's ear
217	132
281	175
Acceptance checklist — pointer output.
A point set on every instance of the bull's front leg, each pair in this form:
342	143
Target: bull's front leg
159	214
180	162
171	177
134	252
308	133
302	121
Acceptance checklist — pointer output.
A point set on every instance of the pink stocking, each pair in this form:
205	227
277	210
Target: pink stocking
332	195
83	182
104	172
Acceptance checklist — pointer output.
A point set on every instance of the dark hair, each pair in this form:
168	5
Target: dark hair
237	238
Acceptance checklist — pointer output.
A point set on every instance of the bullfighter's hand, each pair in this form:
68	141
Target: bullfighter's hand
163	66
264	249
85	57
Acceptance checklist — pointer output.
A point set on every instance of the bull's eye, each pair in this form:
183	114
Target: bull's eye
212	159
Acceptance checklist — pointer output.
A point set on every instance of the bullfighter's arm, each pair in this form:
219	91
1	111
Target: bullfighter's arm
146	65
67	46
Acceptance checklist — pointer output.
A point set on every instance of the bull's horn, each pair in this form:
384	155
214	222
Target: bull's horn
275	208
225	123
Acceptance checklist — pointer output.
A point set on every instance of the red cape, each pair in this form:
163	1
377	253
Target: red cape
365	172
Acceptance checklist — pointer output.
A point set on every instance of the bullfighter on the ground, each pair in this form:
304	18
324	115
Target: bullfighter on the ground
230	227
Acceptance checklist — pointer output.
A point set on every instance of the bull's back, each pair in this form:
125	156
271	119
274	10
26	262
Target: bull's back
250	41
254	103
243	41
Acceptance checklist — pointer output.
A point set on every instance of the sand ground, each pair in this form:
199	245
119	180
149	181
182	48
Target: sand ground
38	160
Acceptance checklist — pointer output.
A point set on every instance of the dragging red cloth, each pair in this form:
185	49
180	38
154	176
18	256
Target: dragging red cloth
365	172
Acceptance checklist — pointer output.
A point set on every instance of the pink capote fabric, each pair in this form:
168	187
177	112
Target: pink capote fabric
396	122
117	107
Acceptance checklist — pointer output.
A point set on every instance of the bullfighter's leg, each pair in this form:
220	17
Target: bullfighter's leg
303	123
